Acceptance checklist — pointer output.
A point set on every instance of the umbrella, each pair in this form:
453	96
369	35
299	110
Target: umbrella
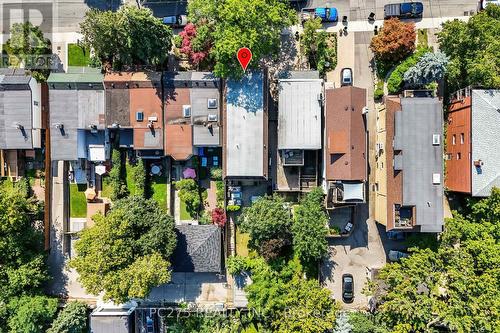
189	173
90	193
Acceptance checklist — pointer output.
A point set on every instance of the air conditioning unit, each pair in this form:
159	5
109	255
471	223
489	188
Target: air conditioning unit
186	111
213	117
436	139
154	119
212	103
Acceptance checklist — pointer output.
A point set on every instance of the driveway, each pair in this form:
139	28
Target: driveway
365	249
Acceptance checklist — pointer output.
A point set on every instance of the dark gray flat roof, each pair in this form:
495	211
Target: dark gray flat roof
422	161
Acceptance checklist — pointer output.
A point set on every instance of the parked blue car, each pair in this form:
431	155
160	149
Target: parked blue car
327	14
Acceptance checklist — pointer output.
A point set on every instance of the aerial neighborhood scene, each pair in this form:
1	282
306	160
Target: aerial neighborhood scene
250	166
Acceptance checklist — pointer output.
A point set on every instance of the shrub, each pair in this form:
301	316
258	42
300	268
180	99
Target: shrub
219	217
379	91
189	193
236	264
233	208
219	192
431	67
118	187
139	177
319	47
395	81
216	173
72	319
395	41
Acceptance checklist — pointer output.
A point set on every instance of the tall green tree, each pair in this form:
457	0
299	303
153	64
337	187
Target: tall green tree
233	24
129	36
310	228
22	263
474	50
25	45
267	219
71	319
316	45
127	252
286	301
31	314
453	289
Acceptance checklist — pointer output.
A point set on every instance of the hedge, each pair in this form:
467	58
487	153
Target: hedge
395	81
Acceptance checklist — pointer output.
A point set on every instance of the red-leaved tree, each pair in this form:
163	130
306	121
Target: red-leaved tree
219	217
195	43
395	41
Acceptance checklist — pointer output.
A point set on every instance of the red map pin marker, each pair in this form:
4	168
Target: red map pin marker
244	57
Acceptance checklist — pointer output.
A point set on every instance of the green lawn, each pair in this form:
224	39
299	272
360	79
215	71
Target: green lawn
78	203
78	56
184	213
242	243
159	189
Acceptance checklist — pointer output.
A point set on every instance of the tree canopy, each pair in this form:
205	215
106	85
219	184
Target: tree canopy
127	252
129	36
310	227
232	24
394	41
31	314
267	219
474	50
286	301
22	263
431	67
71	319
318	47
455	288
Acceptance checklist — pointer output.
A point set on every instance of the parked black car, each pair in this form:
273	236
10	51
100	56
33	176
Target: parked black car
347	288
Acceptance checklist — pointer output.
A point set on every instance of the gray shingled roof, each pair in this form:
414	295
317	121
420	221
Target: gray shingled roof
198	249
485	144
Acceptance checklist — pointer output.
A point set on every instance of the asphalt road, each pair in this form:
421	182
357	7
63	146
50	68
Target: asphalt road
360	9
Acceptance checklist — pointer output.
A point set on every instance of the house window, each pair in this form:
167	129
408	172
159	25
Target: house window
459	156
212	103
139	116
448	157
462	138
453	139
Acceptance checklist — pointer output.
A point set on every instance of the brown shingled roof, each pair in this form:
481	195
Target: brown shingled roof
179	141
346	134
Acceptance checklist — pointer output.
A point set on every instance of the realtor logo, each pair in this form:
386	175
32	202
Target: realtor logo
39	14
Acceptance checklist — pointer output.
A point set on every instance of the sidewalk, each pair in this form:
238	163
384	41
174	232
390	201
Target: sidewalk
364	26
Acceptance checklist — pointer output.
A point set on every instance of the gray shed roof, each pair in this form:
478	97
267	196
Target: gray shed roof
485	141
299	113
112	320
198	249
422	161
16	108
